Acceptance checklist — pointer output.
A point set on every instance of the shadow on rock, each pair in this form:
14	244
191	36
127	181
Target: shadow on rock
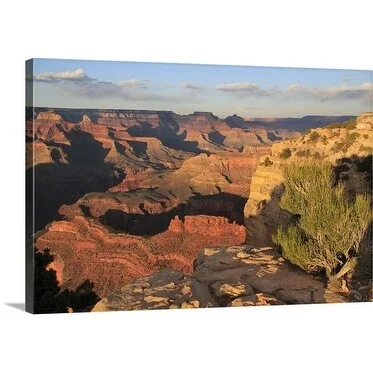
48	297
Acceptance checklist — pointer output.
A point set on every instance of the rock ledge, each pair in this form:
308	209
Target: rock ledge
231	276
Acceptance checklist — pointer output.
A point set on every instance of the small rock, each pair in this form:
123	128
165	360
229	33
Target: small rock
210	251
153	299
185	290
267	299
100	306
222	289
248	300
365	287
165	277
356	295
190	304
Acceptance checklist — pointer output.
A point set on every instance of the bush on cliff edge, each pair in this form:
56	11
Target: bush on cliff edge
330	230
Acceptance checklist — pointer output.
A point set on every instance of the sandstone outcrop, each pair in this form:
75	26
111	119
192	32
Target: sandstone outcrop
37	152
206	226
49	115
231	276
347	150
86	119
84	248
206	185
365	121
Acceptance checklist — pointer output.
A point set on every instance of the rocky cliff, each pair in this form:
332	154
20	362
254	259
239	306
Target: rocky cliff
84	248
365	121
348	150
230	276
111	152
211	185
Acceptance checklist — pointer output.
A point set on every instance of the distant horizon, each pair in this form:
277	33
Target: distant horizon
190	113
248	91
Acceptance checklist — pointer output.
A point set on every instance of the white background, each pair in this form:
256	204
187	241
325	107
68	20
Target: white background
334	34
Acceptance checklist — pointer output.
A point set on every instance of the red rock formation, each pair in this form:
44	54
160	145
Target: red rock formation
37	152
48	130
221	180
84	249
176	225
178	246
206	225
135	179
49	115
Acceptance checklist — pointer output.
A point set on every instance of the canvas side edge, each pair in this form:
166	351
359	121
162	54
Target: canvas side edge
30	211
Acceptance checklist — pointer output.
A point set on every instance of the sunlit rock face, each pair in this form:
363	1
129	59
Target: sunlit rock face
365	121
349	151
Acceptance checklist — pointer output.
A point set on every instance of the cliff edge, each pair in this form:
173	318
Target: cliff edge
224	277
348	150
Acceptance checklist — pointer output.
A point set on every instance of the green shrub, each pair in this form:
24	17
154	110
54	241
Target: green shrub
364	148
314	136
349	124
268	162
286	153
365	136
345	144
352	136
325	140
334	125
335	134
317	155
338	147
303	153
329	229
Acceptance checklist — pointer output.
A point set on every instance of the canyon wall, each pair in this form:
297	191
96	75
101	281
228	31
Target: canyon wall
85	249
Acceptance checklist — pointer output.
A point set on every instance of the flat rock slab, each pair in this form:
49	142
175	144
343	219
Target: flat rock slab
165	289
230	276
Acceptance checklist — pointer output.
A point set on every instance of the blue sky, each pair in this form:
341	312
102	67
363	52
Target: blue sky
185	88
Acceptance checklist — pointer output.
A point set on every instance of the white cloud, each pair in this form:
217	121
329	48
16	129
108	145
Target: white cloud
77	74
238	87
342	92
295	91
190	86
133	83
78	83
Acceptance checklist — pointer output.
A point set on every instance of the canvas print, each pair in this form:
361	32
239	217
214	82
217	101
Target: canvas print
170	186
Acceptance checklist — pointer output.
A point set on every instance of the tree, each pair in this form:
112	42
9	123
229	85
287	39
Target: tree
48	297
286	153
314	136
268	162
329	230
